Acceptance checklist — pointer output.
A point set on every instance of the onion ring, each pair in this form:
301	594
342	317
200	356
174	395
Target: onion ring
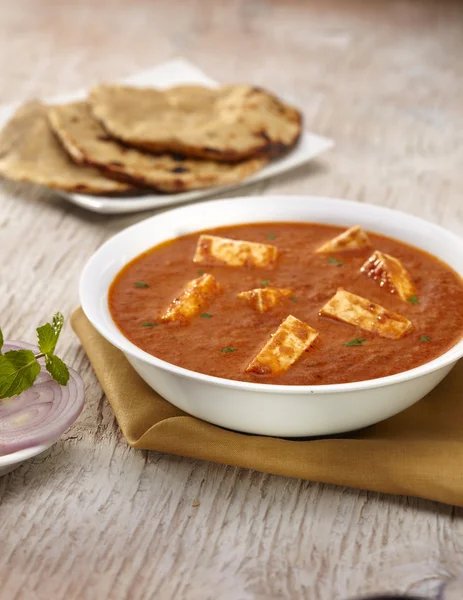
41	413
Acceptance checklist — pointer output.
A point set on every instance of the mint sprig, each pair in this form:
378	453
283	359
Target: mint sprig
19	368
18	371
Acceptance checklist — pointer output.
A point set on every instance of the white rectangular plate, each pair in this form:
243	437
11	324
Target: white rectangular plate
174	72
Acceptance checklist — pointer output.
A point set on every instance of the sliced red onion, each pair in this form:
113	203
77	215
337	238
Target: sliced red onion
41	413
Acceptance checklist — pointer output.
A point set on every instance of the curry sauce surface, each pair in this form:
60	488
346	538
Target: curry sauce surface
147	285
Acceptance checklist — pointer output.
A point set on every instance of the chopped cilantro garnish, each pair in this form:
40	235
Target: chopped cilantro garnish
140	284
148	324
335	261
425	338
265	282
413	300
271	236
356	342
205	316
200	272
294	299
229	349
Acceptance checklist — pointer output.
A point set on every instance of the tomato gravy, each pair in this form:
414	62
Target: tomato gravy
229	333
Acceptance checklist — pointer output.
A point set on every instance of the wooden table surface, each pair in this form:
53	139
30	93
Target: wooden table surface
94	519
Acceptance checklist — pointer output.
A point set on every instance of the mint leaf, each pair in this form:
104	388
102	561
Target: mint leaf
48	334
57	323
47	338
57	369
1	338
18	371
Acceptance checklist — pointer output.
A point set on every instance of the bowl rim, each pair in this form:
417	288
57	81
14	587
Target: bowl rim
129	348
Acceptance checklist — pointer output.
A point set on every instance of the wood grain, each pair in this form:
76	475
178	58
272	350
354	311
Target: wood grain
94	519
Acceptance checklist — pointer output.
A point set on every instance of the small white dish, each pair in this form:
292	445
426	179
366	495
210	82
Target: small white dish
175	72
9	462
278	410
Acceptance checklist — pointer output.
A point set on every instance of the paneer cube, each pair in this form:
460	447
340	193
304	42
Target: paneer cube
283	348
355	310
196	296
354	238
212	250
264	299
390	274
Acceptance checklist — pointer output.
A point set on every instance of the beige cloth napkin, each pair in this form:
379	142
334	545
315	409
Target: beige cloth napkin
419	452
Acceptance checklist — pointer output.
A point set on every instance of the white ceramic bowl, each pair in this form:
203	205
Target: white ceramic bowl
278	410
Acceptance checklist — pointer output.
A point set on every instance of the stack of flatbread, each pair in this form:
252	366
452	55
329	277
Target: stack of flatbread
126	139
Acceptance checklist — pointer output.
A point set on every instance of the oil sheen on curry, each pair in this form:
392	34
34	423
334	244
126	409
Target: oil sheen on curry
289	303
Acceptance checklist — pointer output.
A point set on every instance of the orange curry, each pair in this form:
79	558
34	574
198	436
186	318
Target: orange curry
228	331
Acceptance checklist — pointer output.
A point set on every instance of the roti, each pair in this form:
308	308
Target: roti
229	123
88	143
30	152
